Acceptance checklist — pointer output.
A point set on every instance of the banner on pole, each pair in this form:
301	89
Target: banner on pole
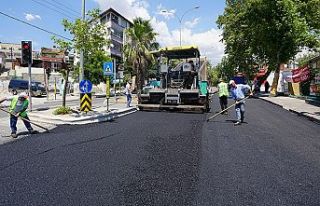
301	74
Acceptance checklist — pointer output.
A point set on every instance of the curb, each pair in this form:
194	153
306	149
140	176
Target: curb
279	105
315	120
101	117
301	114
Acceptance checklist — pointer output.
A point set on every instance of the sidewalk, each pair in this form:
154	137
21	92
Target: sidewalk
295	105
98	114
47	119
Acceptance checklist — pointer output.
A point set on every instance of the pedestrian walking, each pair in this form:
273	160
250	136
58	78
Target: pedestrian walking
129	93
238	92
18	106
223	95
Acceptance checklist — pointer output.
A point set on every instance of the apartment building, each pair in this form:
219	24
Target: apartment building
116	24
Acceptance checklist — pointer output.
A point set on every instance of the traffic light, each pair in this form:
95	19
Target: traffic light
26	52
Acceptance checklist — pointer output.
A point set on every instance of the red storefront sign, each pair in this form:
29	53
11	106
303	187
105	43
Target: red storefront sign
301	74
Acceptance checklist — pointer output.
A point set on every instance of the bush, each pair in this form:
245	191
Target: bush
62	110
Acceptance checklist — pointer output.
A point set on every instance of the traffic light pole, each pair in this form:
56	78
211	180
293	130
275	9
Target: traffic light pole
29	86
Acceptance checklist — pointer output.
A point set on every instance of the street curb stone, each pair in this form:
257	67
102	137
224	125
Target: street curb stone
84	119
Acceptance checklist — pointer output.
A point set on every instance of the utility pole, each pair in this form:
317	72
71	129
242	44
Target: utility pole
81	51
11	54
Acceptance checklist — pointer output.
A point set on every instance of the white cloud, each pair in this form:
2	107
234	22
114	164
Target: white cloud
207	41
193	23
31	17
166	13
132	8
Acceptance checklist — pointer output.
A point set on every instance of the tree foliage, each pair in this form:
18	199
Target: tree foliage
89	35
303	60
141	40
267	31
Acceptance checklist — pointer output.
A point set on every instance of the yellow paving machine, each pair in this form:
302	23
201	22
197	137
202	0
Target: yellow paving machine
182	79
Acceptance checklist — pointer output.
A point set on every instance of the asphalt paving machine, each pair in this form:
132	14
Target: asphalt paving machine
183	81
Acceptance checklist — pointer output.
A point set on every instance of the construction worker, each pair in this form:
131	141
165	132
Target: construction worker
238	92
223	95
19	105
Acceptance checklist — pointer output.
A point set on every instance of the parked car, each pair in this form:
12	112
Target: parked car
17	85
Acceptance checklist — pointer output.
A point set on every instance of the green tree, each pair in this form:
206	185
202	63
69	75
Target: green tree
65	69
303	60
271	32
141	40
213	75
89	35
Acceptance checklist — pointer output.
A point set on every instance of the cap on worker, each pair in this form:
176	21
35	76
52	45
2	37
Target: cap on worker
231	82
130	82
220	80
23	94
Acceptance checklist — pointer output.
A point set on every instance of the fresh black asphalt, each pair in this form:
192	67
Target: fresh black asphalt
166	158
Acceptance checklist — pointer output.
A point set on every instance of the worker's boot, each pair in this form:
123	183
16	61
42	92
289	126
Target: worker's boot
14	135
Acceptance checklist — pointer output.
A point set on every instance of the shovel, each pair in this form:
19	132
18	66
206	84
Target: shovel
226	109
24	119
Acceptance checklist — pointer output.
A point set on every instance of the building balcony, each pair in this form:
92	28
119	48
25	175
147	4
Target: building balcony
116	52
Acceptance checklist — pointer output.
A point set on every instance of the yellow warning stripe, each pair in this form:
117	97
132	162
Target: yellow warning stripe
85	104
86	109
86	98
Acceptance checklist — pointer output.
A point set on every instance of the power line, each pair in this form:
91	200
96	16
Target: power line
68	7
50	32
48	7
62	8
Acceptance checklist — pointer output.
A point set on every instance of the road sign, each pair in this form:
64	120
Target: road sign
115	81
85	86
85	102
108	68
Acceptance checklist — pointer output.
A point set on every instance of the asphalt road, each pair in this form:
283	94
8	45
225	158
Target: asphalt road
163	158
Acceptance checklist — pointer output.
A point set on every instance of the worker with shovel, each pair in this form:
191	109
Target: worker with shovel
19	105
238	92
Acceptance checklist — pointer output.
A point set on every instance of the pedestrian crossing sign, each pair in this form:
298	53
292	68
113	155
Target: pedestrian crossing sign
107	68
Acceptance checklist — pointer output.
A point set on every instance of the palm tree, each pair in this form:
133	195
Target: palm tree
141	40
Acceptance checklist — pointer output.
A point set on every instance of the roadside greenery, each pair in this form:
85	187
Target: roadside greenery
89	35
62	110
303	60
268	32
141	39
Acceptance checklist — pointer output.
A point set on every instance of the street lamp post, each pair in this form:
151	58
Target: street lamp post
180	19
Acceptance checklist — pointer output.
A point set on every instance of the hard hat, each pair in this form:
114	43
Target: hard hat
231	82
23	94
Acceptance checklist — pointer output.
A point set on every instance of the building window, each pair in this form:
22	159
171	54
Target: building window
123	23
114	18
103	20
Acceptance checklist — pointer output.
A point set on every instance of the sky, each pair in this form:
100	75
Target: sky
198	25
